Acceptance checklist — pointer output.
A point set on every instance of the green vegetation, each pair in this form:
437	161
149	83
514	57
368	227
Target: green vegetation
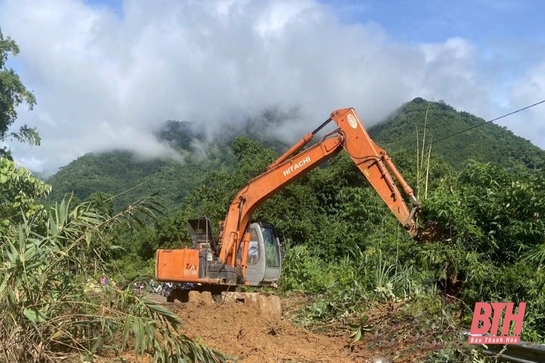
120	173
344	243
51	302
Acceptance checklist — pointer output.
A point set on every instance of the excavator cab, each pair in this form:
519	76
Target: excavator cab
264	262
264	258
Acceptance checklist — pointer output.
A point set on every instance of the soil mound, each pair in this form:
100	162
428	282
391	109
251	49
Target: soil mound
253	335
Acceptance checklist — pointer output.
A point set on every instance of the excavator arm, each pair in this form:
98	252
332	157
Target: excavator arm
350	135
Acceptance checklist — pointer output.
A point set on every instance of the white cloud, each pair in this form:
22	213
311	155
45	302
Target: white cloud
103	81
528	90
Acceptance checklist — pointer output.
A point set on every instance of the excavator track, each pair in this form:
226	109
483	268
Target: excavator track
265	304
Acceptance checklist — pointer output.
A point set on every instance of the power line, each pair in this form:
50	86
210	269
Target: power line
479	125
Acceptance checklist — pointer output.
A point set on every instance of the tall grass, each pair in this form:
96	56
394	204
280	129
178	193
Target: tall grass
347	287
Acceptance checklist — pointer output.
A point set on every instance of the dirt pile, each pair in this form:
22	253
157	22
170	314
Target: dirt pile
250	333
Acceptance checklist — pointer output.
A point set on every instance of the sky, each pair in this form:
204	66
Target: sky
107	73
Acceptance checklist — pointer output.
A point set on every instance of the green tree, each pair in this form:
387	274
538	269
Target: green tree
20	193
493	238
12	94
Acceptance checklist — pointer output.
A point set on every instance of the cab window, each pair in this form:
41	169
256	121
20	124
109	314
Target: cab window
271	250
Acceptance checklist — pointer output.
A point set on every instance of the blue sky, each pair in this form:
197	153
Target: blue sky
109	71
115	5
508	31
486	22
483	21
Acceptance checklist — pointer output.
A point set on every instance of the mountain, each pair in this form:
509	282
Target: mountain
484	142
118	171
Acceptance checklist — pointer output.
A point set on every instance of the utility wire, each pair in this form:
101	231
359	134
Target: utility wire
479	125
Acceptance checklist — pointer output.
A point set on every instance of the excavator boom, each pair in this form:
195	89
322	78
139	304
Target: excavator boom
373	162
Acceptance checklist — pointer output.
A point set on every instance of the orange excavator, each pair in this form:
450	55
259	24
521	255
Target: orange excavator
250	254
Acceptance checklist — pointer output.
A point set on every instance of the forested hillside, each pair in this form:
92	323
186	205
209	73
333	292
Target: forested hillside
486	143
120	172
123	172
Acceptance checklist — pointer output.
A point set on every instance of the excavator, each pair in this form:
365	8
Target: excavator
248	253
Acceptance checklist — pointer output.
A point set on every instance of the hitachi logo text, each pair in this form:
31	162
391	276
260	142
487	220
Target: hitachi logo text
297	166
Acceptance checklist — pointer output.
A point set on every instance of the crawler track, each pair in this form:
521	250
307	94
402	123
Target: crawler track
265	304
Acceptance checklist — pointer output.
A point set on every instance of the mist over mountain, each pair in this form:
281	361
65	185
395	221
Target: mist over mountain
124	172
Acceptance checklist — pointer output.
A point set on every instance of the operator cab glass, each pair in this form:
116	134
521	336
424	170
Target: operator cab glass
272	253
270	250
253	249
